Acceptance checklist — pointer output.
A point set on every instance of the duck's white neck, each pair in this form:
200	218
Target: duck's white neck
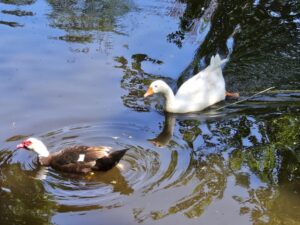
40	148
169	96
43	151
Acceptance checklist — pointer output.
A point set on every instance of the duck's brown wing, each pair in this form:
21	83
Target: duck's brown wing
75	167
78	159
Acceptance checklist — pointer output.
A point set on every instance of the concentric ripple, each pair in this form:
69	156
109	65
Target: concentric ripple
145	168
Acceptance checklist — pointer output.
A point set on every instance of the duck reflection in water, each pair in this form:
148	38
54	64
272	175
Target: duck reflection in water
113	177
166	135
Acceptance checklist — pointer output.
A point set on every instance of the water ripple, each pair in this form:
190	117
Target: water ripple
145	168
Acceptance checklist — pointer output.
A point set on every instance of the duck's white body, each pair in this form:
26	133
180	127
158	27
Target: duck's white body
202	90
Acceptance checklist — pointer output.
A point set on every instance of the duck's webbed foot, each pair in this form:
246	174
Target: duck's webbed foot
232	94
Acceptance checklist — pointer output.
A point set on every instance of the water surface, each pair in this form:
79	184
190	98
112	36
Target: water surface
74	72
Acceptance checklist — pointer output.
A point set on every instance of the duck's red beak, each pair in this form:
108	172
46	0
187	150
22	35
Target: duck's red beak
149	92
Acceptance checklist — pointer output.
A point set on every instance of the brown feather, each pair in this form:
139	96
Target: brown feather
45	161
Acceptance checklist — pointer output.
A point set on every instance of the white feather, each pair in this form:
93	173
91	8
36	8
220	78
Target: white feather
81	158
38	146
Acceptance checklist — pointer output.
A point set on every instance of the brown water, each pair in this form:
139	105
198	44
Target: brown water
75	72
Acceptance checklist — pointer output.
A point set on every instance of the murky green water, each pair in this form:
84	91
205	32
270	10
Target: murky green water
75	72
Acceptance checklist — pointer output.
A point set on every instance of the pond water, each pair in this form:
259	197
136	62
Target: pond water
74	72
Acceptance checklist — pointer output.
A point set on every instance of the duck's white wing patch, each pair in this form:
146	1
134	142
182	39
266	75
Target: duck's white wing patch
81	158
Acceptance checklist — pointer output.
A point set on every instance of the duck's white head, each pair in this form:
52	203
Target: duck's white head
35	145
157	86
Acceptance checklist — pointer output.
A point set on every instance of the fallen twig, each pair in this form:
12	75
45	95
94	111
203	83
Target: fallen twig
246	99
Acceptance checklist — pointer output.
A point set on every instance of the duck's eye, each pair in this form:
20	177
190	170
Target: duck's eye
155	86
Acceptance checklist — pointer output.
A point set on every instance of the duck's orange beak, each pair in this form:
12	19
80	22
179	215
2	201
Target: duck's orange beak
149	92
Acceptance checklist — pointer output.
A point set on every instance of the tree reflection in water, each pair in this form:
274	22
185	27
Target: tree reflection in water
135	80
23	200
254	34
18	2
88	21
261	153
87	16
17	12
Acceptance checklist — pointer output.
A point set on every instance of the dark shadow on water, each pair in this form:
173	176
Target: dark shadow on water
11	24
261	39
18	12
18	2
112	177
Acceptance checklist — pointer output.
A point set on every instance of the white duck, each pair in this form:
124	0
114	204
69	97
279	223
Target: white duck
200	91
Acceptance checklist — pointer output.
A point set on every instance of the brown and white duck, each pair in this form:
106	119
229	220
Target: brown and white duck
76	159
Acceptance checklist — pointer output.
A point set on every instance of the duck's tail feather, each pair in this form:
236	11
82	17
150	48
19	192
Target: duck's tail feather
108	162
216	62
